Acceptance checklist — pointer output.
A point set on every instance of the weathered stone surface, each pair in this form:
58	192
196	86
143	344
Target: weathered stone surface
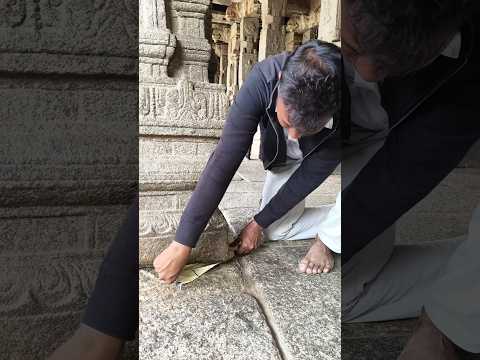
160	214
304	310
69	37
237	218
44	333
211	247
181	116
211	318
51	160
58	282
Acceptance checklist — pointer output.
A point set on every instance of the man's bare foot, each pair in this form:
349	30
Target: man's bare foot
319	259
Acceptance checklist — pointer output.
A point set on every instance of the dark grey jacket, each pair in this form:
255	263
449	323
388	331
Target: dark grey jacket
254	105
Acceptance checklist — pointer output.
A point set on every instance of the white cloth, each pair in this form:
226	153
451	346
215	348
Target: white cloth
385	281
453	48
293	147
301	222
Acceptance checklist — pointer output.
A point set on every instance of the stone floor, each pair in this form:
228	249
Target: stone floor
259	307
253	307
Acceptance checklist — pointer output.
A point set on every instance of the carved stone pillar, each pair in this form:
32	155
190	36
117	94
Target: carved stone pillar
329	21
249	36
221	50
181	118
156	42
188	25
272	33
220	37
294	32
233	60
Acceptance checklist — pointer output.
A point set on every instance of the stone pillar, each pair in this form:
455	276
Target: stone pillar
272	33
188	24
329	21
233	61
295	27
249	36
220	37
221	50
181	119
292	40
68	160
156	42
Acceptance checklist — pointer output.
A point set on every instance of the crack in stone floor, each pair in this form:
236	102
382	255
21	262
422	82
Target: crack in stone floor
250	289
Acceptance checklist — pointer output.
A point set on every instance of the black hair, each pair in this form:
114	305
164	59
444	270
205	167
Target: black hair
310	85
401	36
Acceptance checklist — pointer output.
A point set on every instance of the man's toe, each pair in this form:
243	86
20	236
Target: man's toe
310	268
302	266
328	267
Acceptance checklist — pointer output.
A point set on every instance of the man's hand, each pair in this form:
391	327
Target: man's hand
250	238
171	261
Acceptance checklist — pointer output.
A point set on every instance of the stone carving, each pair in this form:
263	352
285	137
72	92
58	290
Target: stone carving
156	42
54	284
233	12
249	36
12	13
165	223
183	105
221	50
181	117
272	33
188	25
82	33
233	61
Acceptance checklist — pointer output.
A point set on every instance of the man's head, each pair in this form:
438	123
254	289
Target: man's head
309	88
392	38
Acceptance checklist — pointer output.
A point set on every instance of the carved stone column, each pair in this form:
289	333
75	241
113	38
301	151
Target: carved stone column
156	42
221	50
181	118
249	36
272	33
329	21
233	60
220	36
294	32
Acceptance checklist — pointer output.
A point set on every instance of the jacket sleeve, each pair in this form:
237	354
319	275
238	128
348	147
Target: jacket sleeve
313	171
240	127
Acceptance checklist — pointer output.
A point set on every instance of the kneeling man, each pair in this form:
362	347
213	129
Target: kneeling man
294	99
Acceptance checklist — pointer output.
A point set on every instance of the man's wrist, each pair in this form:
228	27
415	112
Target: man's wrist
180	246
254	222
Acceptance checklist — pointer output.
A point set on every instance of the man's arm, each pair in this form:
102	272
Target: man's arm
310	175
240	127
